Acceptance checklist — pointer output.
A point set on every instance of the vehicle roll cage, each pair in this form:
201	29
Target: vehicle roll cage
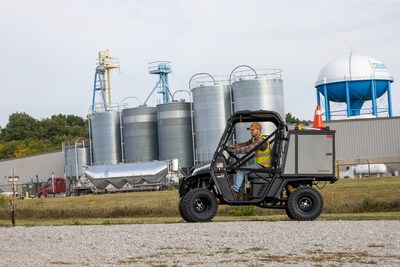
255	116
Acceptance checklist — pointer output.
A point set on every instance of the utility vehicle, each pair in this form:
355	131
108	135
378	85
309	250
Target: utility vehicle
301	160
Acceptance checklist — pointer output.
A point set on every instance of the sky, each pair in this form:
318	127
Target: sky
48	48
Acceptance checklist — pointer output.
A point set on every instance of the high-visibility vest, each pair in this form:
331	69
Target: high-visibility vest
263	157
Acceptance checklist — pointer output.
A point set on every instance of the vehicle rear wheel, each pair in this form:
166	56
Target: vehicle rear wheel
288	213
198	205
304	204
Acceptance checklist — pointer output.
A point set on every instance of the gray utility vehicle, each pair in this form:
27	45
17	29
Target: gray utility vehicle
301	159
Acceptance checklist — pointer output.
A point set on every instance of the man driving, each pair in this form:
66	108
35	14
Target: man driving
262	156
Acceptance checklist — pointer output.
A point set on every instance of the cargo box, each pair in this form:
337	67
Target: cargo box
309	153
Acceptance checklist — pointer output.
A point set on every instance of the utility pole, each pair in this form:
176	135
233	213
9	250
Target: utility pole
13	179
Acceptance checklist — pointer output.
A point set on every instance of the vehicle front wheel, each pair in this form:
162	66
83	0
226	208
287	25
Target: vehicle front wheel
304	204
183	214
198	205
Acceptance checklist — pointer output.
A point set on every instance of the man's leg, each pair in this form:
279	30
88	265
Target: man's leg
238	181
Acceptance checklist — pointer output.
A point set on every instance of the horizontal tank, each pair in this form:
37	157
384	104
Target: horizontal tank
133	174
211	108
175	140
139	132
370	169
106	137
257	90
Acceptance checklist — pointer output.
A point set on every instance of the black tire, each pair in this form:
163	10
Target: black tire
288	213
198	205
181	211
304	204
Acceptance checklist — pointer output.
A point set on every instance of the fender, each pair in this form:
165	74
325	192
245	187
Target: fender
194	181
280	183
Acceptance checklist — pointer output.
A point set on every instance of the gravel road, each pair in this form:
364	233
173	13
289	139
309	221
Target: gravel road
282	243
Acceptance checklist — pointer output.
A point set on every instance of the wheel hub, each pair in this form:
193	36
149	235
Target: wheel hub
200	205
305	204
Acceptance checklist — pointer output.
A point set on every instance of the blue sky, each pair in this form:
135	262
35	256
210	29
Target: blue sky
49	47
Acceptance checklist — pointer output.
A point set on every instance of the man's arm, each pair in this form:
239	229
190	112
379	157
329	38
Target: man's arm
245	147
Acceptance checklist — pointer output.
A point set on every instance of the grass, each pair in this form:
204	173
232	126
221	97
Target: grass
362	195
347	199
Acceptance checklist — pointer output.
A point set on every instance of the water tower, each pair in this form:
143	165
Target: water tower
357	82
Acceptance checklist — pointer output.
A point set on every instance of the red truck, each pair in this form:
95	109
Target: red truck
54	186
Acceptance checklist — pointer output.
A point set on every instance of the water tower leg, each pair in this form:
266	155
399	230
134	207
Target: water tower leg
348	103
327	107
318	97
374	109
389	95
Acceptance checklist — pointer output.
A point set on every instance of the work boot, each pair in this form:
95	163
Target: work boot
238	195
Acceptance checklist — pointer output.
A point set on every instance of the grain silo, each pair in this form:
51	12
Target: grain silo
174	122
211	110
106	137
139	133
257	90
76	156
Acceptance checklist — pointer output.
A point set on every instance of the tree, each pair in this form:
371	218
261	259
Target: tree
20	126
24	135
291	119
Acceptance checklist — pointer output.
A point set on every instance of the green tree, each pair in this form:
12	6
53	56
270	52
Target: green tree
20	126
24	135
8	149
291	119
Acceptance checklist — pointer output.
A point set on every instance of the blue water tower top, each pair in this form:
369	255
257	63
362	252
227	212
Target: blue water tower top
353	80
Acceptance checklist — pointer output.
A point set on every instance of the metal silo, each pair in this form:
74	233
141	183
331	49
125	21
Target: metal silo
106	137
175	140
212	108
257	90
139	133
75	157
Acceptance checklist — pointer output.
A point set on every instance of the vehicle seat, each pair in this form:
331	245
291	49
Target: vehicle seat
264	175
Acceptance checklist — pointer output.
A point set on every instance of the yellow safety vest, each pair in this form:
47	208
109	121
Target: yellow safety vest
263	157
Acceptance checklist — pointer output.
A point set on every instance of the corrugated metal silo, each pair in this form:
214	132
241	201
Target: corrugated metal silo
175	140
139	133
257	90
73	158
212	108
106	137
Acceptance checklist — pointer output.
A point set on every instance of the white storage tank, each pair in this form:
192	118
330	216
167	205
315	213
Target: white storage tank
367	169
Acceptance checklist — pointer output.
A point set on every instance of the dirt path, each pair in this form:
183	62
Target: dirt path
344	243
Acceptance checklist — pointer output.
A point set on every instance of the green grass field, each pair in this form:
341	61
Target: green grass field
347	199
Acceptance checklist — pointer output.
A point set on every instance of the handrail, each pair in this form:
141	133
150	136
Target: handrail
354	78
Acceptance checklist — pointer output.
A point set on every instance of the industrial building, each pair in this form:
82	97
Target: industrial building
189	131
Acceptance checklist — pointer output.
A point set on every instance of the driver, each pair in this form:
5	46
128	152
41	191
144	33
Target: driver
262	156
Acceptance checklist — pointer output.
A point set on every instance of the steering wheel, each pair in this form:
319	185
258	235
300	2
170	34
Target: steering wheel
231	154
